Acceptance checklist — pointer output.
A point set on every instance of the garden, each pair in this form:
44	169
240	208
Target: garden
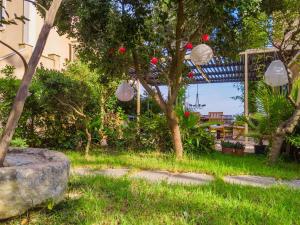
110	138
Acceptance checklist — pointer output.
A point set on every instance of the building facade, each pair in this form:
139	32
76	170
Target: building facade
22	37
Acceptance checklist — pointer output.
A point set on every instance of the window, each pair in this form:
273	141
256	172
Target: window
2	13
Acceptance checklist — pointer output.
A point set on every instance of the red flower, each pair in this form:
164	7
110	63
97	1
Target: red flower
205	37
154	60
122	50
111	51
187	114
191	75
189	45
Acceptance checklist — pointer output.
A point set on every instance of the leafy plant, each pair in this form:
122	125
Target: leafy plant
294	140
272	108
19	142
239	145
197	140
227	144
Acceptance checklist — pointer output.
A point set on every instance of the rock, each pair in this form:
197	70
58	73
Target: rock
256	181
115	173
174	178
31	177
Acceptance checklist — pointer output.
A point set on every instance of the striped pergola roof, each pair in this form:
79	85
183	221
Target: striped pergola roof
221	69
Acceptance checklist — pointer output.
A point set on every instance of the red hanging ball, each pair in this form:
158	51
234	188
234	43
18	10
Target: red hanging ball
190	75
205	37
154	60
122	50
189	45
187	114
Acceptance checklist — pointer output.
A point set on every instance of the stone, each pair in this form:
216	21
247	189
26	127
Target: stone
190	178
256	181
153	176
293	183
81	171
112	172
32	177
116	173
174	178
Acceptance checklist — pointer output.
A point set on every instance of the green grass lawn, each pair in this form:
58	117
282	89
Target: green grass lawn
101	200
216	163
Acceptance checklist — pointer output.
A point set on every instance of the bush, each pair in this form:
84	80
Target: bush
153	134
19	142
227	144
197	140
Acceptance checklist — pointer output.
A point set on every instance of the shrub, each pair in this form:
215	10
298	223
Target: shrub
197	140
227	144
19	142
151	133
239	145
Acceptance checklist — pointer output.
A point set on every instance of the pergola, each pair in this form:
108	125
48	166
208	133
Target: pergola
250	66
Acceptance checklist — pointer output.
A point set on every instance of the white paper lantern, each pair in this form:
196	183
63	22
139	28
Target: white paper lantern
124	92
201	54
276	74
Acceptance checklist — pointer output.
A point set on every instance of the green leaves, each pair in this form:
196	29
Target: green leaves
273	108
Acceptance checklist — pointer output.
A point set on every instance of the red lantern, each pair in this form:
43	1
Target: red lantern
190	75
122	50
187	114
189	45
154	60
205	37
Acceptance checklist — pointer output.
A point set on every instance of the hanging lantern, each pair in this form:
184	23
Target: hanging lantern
154	60
122	50
187	114
190	75
189	46
276	74
125	92
201	54
205	37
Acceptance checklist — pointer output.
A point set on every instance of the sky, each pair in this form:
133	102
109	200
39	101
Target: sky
217	97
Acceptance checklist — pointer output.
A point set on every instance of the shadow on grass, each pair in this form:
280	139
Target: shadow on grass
121	201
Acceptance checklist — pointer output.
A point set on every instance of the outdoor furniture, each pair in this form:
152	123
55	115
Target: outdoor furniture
217	129
215	116
238	131
228	132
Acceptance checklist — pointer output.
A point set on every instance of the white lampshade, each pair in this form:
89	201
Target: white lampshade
124	92
201	54
276	74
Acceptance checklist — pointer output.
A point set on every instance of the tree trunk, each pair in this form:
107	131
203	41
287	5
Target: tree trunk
89	141
175	132
22	93
287	127
276	147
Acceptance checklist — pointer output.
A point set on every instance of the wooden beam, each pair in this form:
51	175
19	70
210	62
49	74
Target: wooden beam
138	100
259	51
246	96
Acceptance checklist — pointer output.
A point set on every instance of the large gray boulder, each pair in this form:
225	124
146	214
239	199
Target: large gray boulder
30	178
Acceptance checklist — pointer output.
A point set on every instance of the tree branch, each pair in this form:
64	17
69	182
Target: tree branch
37	5
72	107
155	95
19	54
